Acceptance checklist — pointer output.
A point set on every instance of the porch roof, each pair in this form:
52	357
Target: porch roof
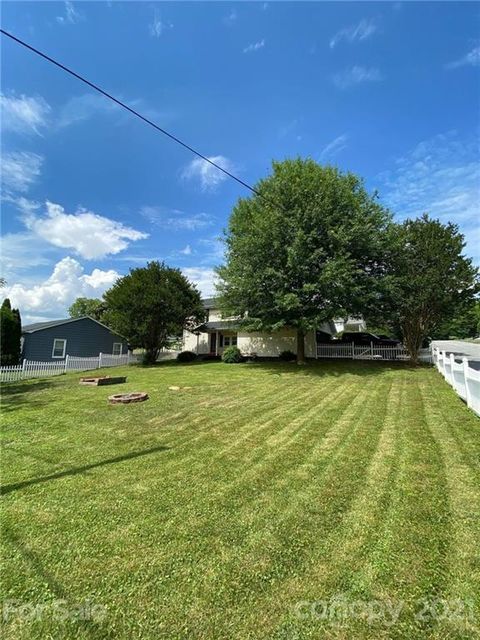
217	325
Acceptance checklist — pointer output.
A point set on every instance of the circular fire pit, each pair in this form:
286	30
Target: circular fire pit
127	398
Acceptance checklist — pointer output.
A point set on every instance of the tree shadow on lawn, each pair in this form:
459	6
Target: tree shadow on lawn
90	627
79	470
15	395
336	368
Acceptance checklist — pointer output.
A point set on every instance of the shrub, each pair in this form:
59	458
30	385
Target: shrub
232	355
287	356
186	356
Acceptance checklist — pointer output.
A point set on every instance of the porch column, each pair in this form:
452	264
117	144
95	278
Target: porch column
198	338
216	344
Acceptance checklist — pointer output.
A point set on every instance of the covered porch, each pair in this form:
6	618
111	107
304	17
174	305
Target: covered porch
221	334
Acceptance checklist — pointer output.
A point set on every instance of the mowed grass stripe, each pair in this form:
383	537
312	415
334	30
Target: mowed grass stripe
462	608
319	480
291	533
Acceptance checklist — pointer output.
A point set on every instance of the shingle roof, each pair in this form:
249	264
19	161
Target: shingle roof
36	326
218	325
39	326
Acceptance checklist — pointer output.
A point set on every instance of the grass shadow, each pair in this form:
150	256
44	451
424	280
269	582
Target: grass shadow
16	394
79	470
90	628
336	368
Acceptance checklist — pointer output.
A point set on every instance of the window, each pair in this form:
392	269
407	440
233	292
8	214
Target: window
117	349
59	347
228	341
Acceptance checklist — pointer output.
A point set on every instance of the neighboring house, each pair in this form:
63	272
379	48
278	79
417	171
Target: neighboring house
350	324
85	337
217	332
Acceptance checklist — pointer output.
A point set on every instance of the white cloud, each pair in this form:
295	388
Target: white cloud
88	234
254	46
23	114
231	18
174	219
52	297
472	58
334	147
209	176
356	75
203	277
354	33
20	170
71	15
186	251
440	176
157	26
84	107
89	105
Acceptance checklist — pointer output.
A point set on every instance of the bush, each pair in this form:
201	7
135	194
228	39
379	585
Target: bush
287	356
232	355
186	356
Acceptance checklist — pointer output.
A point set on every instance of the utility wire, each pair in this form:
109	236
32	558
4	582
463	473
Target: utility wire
133	111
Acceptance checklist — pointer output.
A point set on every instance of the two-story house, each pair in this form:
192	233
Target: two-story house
217	332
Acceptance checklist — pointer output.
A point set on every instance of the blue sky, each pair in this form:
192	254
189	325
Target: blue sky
387	90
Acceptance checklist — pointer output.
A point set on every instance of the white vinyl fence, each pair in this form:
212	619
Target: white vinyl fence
464	379
34	369
351	351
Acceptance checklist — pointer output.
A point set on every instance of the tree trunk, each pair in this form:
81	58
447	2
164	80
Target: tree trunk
151	355
300	346
413	337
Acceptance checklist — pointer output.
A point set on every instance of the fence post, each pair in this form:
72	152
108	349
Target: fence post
128	356
100	360
371	348
66	363
467	388
24	367
353	351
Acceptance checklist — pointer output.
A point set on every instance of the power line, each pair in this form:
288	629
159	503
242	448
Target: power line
133	111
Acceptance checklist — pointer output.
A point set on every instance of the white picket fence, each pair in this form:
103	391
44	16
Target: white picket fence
457	372
34	369
350	351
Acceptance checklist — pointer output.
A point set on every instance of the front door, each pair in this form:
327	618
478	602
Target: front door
213	343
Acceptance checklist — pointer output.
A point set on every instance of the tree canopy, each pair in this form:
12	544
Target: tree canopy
92	307
428	279
152	303
10	334
307	249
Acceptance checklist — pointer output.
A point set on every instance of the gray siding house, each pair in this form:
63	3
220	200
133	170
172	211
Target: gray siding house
84	337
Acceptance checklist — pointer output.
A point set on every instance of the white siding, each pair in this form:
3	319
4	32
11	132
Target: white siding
264	344
197	345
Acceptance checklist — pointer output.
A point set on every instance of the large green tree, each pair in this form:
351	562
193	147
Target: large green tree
151	304
465	323
429	281
10	334
92	307
307	247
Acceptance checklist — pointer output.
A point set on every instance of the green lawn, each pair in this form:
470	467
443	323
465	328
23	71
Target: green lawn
245	507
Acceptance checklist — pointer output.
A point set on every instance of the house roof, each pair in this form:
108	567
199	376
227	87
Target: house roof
218	325
39	326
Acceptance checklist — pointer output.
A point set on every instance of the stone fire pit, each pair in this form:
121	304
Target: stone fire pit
127	398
